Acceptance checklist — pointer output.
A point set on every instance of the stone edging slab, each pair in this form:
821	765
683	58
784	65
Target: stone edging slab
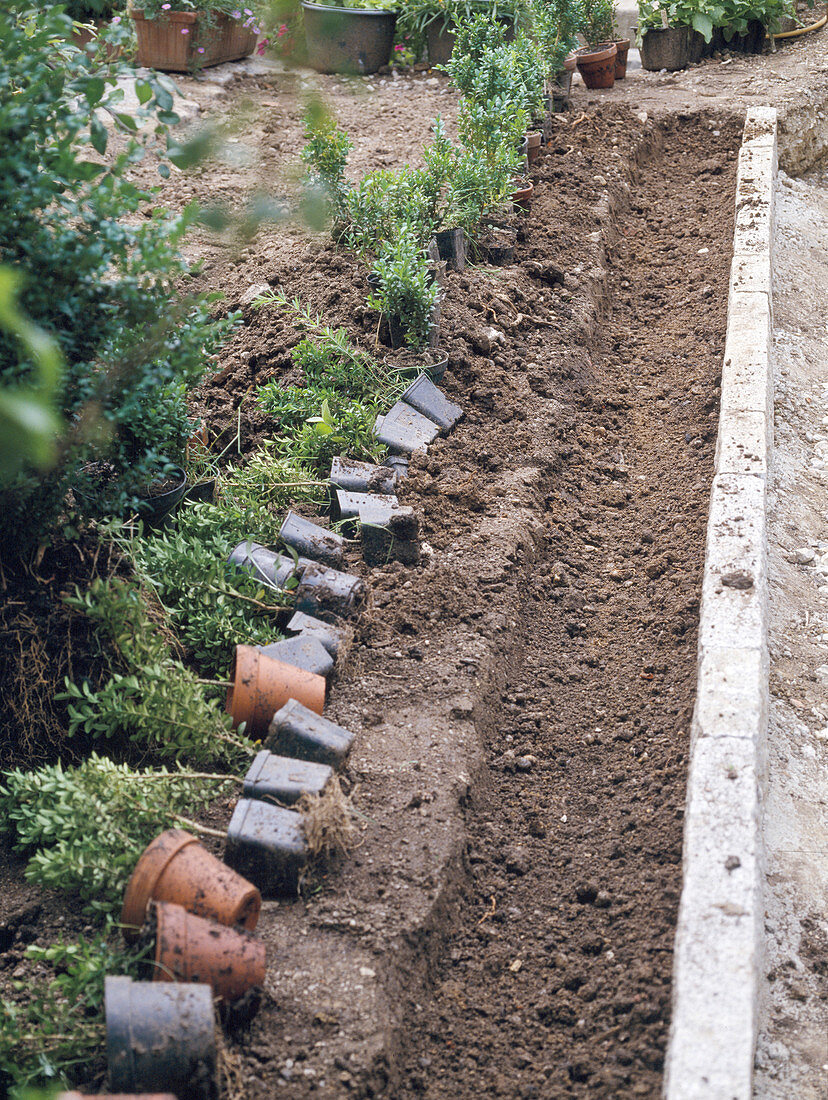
718	948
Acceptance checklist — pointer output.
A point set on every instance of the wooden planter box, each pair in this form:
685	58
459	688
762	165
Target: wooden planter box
162	45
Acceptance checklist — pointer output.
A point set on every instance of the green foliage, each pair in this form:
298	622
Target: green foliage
247	12
407	291
151	699
732	16
598	21
51	1020
326	155
82	829
417	15
92	274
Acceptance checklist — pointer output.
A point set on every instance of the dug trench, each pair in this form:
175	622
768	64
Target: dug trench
523	701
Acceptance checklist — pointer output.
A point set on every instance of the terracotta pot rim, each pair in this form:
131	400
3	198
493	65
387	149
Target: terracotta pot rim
597	54
149	868
534	137
622	44
570	63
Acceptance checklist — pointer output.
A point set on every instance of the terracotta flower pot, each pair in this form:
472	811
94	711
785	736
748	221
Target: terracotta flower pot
622	47
522	195
597	65
175	867
262	685
171	41
192	949
533	145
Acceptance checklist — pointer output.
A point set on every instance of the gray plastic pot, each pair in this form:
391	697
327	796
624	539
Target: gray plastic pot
307	653
297	731
267	845
265	565
404	430
283	779
451	244
361	477
332	637
348	504
665	48
389	534
322	591
311	540
356	41
161	1035
427	399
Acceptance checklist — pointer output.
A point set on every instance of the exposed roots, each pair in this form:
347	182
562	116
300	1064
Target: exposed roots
329	821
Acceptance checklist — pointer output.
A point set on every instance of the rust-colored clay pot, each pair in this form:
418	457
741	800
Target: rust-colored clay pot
622	46
597	65
175	867
533	145
192	949
522	195
262	685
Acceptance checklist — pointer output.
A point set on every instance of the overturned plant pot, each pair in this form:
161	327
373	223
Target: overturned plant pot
261	685
161	1036
348	504
267	566
534	139
303	652
451	244
427	399
404	430
312	540
297	731
361	477
597	65
333	638
283	780
192	949
267	844
176	867
389	534
399	464
323	591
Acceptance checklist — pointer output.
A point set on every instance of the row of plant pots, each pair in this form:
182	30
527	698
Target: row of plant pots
600	66
673	48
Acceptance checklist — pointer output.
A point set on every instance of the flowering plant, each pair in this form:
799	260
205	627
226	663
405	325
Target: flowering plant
245	13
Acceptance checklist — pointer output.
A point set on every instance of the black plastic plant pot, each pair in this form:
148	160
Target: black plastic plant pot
753	41
307	653
451	244
266	844
161	1036
155	509
348	504
440	39
333	638
356	41
284	780
427	399
389	534
665	48
268	567
298	731
403	430
323	591
202	491
361	477
312	540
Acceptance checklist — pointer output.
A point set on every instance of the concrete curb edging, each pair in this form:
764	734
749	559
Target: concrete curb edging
718	946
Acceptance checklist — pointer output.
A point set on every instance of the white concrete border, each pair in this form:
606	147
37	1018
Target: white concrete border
718	950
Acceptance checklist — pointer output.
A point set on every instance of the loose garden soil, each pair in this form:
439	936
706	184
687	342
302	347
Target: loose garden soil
522	700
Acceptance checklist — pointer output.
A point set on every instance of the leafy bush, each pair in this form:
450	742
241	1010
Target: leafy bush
83	829
598	22
407	291
92	275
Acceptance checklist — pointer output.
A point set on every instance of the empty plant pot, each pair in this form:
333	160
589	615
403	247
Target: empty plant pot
175	867
451	244
597	65
622	48
333	638
389	534
533	145
399	464
404	430
268	567
192	949
307	653
665	48
324	591
361	477
284	780
161	1036
348	504
522	195
312	540
427	399
261	685
297	731
267	844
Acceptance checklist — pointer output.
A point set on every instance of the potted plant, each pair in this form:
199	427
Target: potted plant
185	35
672	33
437	21
596	61
406	296
744	23
349	36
